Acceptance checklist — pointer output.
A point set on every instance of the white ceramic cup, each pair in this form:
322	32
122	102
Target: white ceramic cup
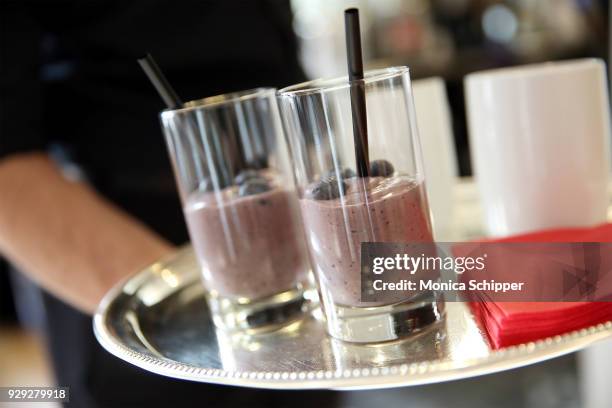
439	156
540	145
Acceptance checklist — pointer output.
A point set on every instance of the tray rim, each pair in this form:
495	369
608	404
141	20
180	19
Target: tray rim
398	375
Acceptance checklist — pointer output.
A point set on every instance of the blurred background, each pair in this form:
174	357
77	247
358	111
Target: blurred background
451	38
435	38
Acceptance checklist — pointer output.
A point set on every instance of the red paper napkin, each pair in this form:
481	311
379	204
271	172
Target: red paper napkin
510	323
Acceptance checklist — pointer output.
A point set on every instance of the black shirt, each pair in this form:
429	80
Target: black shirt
93	98
69	78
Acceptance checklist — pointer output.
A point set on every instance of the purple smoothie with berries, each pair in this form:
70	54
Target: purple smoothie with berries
248	238
383	208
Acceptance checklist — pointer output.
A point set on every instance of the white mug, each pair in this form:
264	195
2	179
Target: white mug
540	145
438	146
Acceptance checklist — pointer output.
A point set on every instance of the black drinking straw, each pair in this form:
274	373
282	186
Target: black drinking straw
358	103
172	101
159	81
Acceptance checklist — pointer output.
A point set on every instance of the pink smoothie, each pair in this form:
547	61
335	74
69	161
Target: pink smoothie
248	247
388	210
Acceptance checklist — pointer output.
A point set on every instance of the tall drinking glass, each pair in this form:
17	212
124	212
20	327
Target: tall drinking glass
232	169
341	210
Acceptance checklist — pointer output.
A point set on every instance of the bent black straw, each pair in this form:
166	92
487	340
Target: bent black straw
172	101
159	81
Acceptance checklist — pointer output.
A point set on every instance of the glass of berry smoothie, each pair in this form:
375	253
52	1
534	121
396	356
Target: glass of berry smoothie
344	203
231	165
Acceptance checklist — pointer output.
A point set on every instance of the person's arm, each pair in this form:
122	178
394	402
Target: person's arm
64	236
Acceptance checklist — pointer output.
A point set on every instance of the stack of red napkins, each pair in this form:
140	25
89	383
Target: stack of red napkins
510	323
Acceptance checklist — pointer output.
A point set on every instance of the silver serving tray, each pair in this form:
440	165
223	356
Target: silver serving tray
158	320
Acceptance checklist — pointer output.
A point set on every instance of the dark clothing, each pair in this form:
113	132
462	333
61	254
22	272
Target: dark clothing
95	98
69	78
